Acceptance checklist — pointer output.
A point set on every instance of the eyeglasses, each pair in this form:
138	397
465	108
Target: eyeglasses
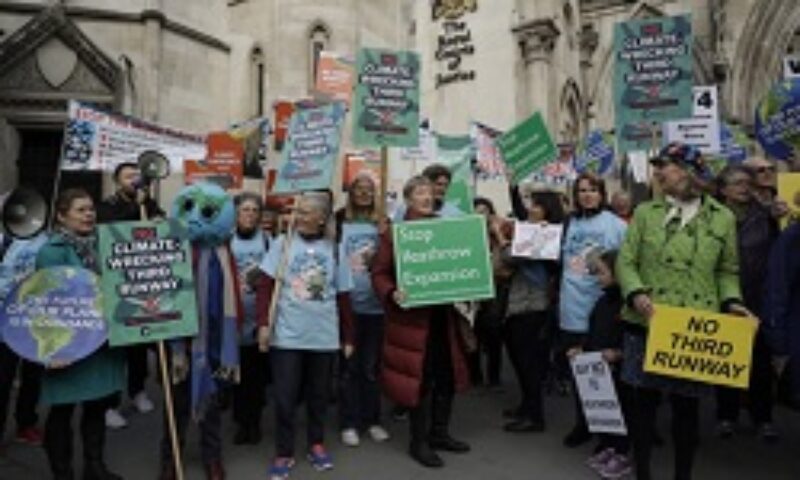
765	169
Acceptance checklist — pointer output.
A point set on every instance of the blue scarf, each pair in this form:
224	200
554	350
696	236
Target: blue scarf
215	349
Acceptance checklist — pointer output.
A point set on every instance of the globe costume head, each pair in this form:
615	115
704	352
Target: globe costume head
208	212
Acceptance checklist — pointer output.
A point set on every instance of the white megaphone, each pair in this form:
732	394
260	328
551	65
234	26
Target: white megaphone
23	213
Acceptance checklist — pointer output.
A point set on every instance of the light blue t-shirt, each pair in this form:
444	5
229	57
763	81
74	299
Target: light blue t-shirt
249	253
18	262
307	317
580	290
359	244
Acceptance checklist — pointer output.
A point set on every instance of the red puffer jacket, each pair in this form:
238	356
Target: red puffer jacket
406	335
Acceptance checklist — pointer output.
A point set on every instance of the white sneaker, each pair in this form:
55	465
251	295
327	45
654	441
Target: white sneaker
115	420
143	403
378	433
350	437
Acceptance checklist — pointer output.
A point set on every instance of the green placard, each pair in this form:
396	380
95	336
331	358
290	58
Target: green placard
443	261
456	153
527	147
148	285
386	103
652	78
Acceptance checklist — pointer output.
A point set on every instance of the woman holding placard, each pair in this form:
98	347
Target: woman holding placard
591	230
311	322
423	356
681	251
91	382
527	315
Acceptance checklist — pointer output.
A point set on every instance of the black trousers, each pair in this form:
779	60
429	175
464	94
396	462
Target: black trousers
137	368
568	340
210	425
295	372
489	333
431	417
28	395
684	430
249	396
58	435
360	391
525	345
760	390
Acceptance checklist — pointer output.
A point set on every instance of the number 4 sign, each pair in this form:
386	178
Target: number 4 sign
705	105
702	130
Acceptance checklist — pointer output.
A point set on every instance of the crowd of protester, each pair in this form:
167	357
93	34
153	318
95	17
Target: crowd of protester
338	324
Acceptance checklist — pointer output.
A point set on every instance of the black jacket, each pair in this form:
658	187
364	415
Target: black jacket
118	209
605	323
756	232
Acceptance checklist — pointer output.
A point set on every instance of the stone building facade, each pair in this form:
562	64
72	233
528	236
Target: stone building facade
202	64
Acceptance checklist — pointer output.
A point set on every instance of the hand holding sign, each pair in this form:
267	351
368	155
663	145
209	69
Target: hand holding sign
701	346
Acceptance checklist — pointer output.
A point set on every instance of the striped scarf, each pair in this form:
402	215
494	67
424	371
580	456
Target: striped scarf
215	349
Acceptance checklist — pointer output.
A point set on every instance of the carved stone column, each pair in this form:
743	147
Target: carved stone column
537	40
150	95
588	41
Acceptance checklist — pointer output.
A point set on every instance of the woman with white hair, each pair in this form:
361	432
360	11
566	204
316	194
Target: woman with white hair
310	324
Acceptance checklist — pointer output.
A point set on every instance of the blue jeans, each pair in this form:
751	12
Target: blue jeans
360	392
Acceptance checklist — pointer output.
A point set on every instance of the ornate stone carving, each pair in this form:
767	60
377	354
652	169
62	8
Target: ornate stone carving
56	61
536	39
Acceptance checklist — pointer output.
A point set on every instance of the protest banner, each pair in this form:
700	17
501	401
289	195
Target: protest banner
789	192
223	165
55	316
335	74
361	162
148	285
595	153
527	147
456	153
99	141
488	161
702	346
283	111
703	129
254	136
443	261
537	241
597	393
652	78
386	104
311	150
560	171
777	120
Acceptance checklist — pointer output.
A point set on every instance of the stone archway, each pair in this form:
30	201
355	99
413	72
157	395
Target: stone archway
756	64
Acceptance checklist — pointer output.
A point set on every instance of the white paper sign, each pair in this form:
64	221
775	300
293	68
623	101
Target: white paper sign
597	393
702	130
791	67
99	141
537	241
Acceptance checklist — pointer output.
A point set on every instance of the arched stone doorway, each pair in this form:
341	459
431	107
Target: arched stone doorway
768	34
44	64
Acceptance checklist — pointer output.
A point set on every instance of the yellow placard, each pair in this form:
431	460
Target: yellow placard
789	192
701	346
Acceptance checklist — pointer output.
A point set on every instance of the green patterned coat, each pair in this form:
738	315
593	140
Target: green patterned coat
697	266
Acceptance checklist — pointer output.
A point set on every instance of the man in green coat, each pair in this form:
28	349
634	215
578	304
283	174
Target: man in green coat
680	250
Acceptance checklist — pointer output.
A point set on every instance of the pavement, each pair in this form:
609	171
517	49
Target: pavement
496	455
